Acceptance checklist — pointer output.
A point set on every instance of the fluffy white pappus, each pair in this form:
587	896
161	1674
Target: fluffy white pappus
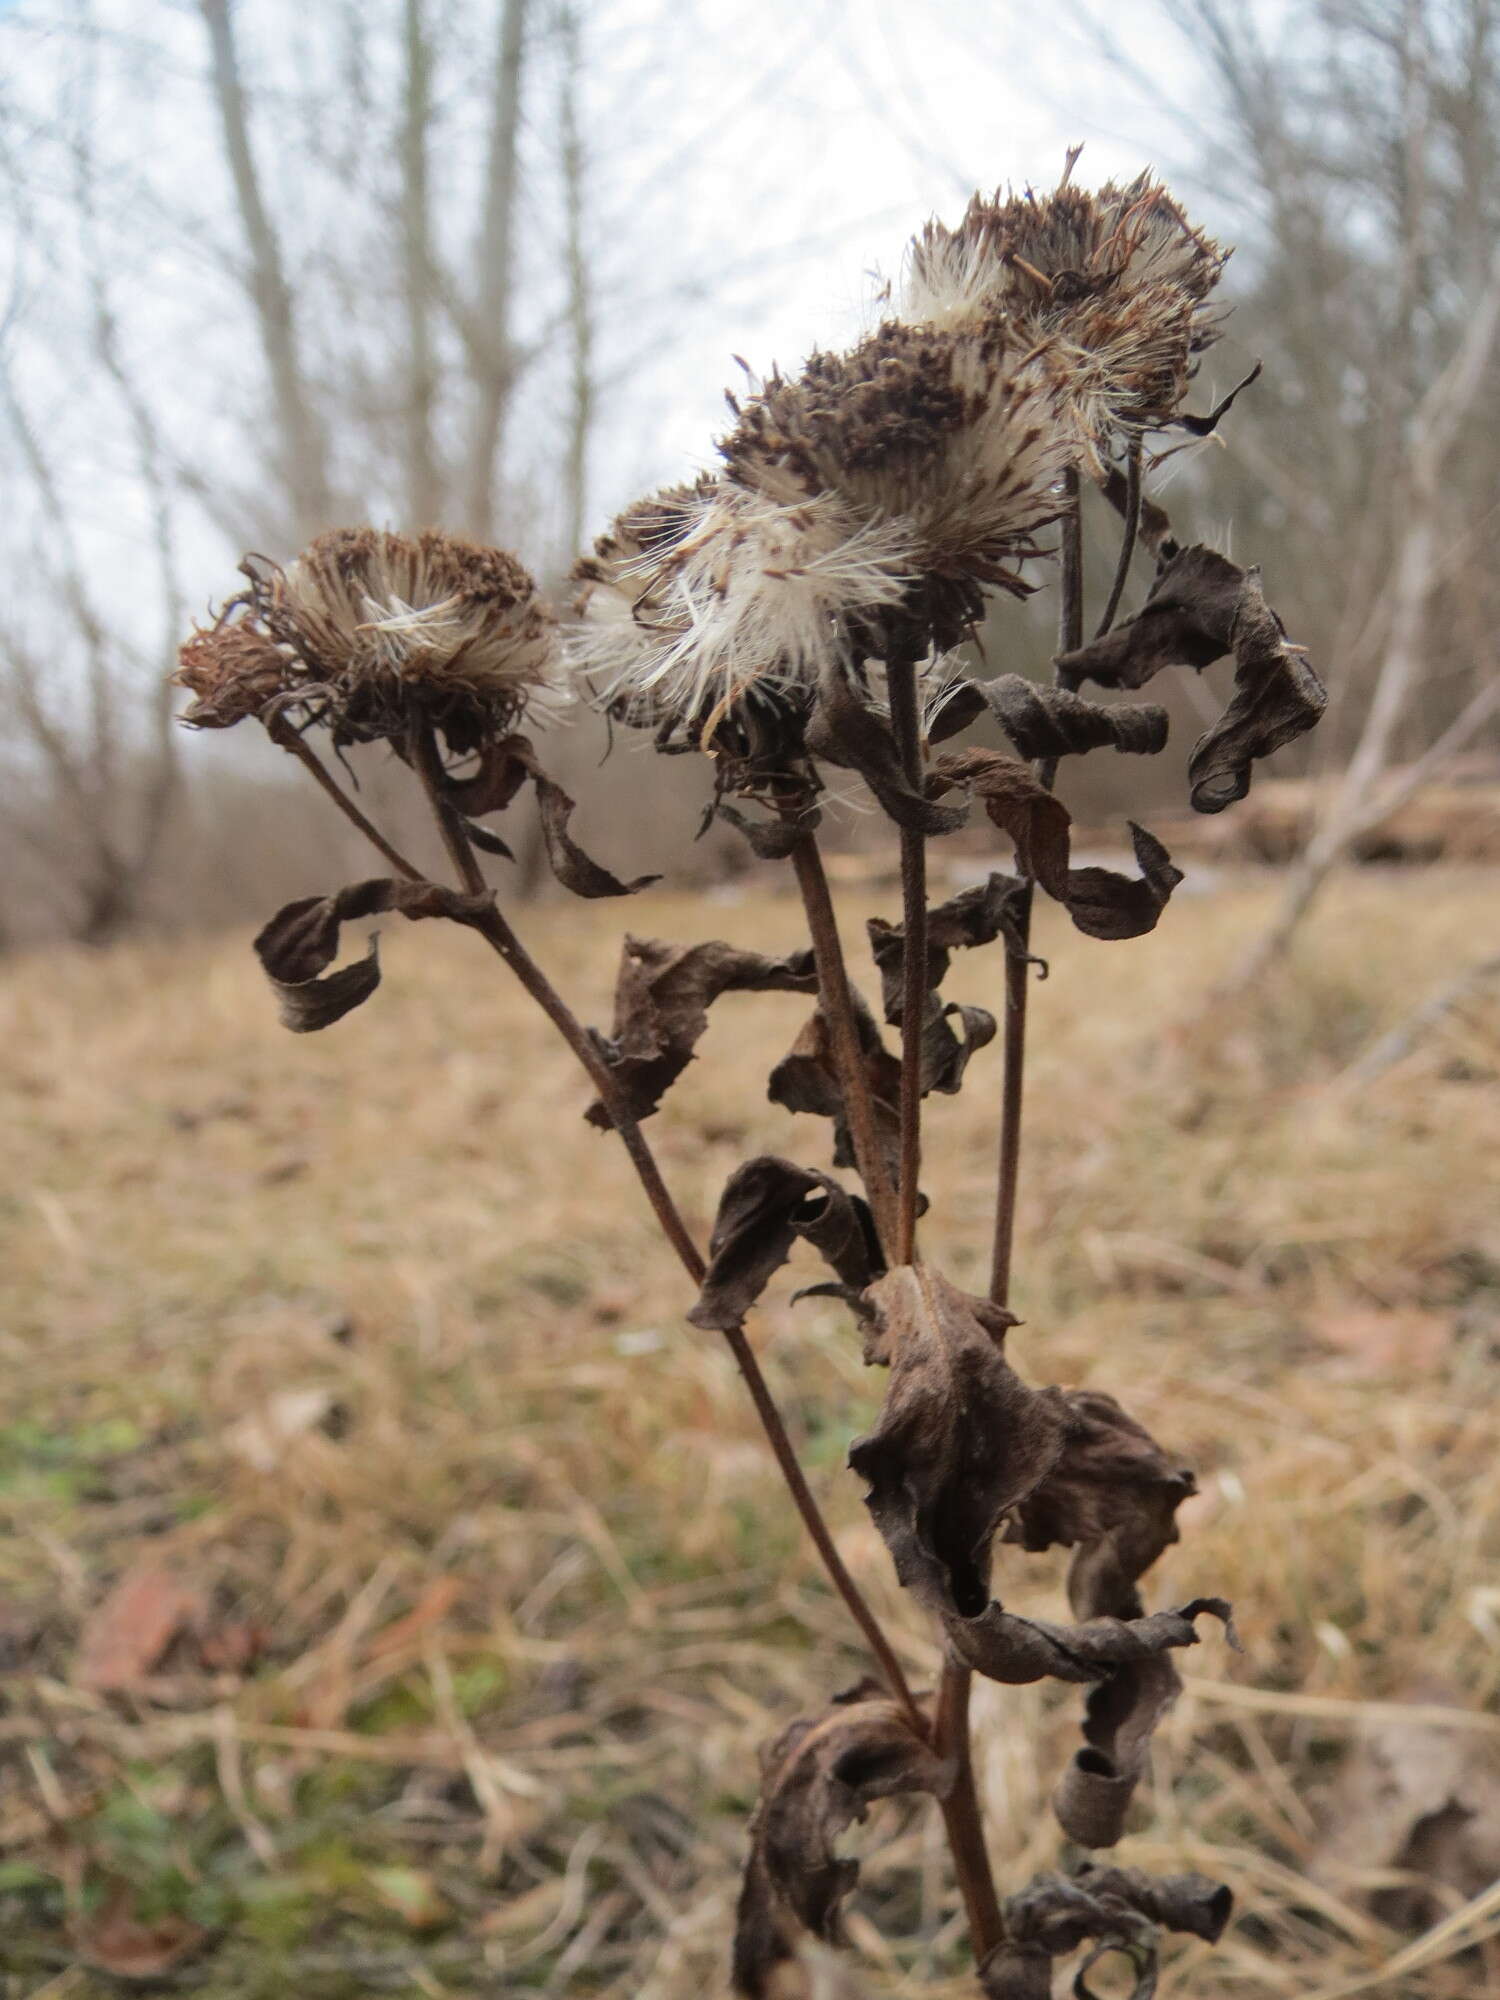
703	595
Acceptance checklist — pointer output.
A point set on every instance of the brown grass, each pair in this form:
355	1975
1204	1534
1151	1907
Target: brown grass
483	1651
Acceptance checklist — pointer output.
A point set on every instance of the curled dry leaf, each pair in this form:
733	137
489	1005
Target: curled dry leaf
767	1204
127	1633
1202	607
846	730
1053	721
806	1079
974	916
504	767
961	1438
1113	1497
302	940
818	1777
961	1442
1102	903
1017	1651
1119	1909
662	998
770	839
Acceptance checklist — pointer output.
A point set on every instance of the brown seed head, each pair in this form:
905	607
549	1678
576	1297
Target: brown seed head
381	623
1119	279
958	435
232	669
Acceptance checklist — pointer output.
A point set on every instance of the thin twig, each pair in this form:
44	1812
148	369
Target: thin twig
1127	545
287	737
836	1000
901	683
1017	963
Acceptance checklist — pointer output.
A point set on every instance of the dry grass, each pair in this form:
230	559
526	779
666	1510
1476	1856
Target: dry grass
483	1651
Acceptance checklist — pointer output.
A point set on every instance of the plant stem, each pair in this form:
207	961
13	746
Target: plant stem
961	1811
282	733
1017	968
962	1817
493	927
1127	543
817	1527
901	683
836	1000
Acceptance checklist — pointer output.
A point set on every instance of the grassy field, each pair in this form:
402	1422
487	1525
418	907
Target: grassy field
348	1369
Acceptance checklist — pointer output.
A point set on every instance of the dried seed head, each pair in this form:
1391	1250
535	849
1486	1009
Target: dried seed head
708	612
232	670
380	623
1119	280
955	439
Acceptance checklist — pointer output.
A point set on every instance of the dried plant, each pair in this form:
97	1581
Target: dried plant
794	612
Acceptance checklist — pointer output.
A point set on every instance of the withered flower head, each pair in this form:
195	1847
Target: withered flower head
381	624
709	612
1118	280
231	669
953	439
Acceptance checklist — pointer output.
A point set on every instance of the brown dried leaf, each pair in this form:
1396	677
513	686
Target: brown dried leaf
662	998
1054	722
1017	1651
503	768
846	730
1113	1496
1120	1909
118	1943
806	1080
961	1438
818	1777
1101	903
973	917
127	1633
302	940
1416	1802
1202	607
766	1205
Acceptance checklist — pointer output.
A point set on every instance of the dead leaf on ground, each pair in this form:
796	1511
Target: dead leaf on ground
128	1632
1417	1799
263	1439
118	1943
1380	1340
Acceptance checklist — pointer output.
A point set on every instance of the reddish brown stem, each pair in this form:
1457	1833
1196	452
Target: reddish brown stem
901	683
962	1816
286	737
836	1000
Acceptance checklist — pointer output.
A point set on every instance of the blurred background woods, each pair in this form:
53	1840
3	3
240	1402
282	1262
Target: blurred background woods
487	262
